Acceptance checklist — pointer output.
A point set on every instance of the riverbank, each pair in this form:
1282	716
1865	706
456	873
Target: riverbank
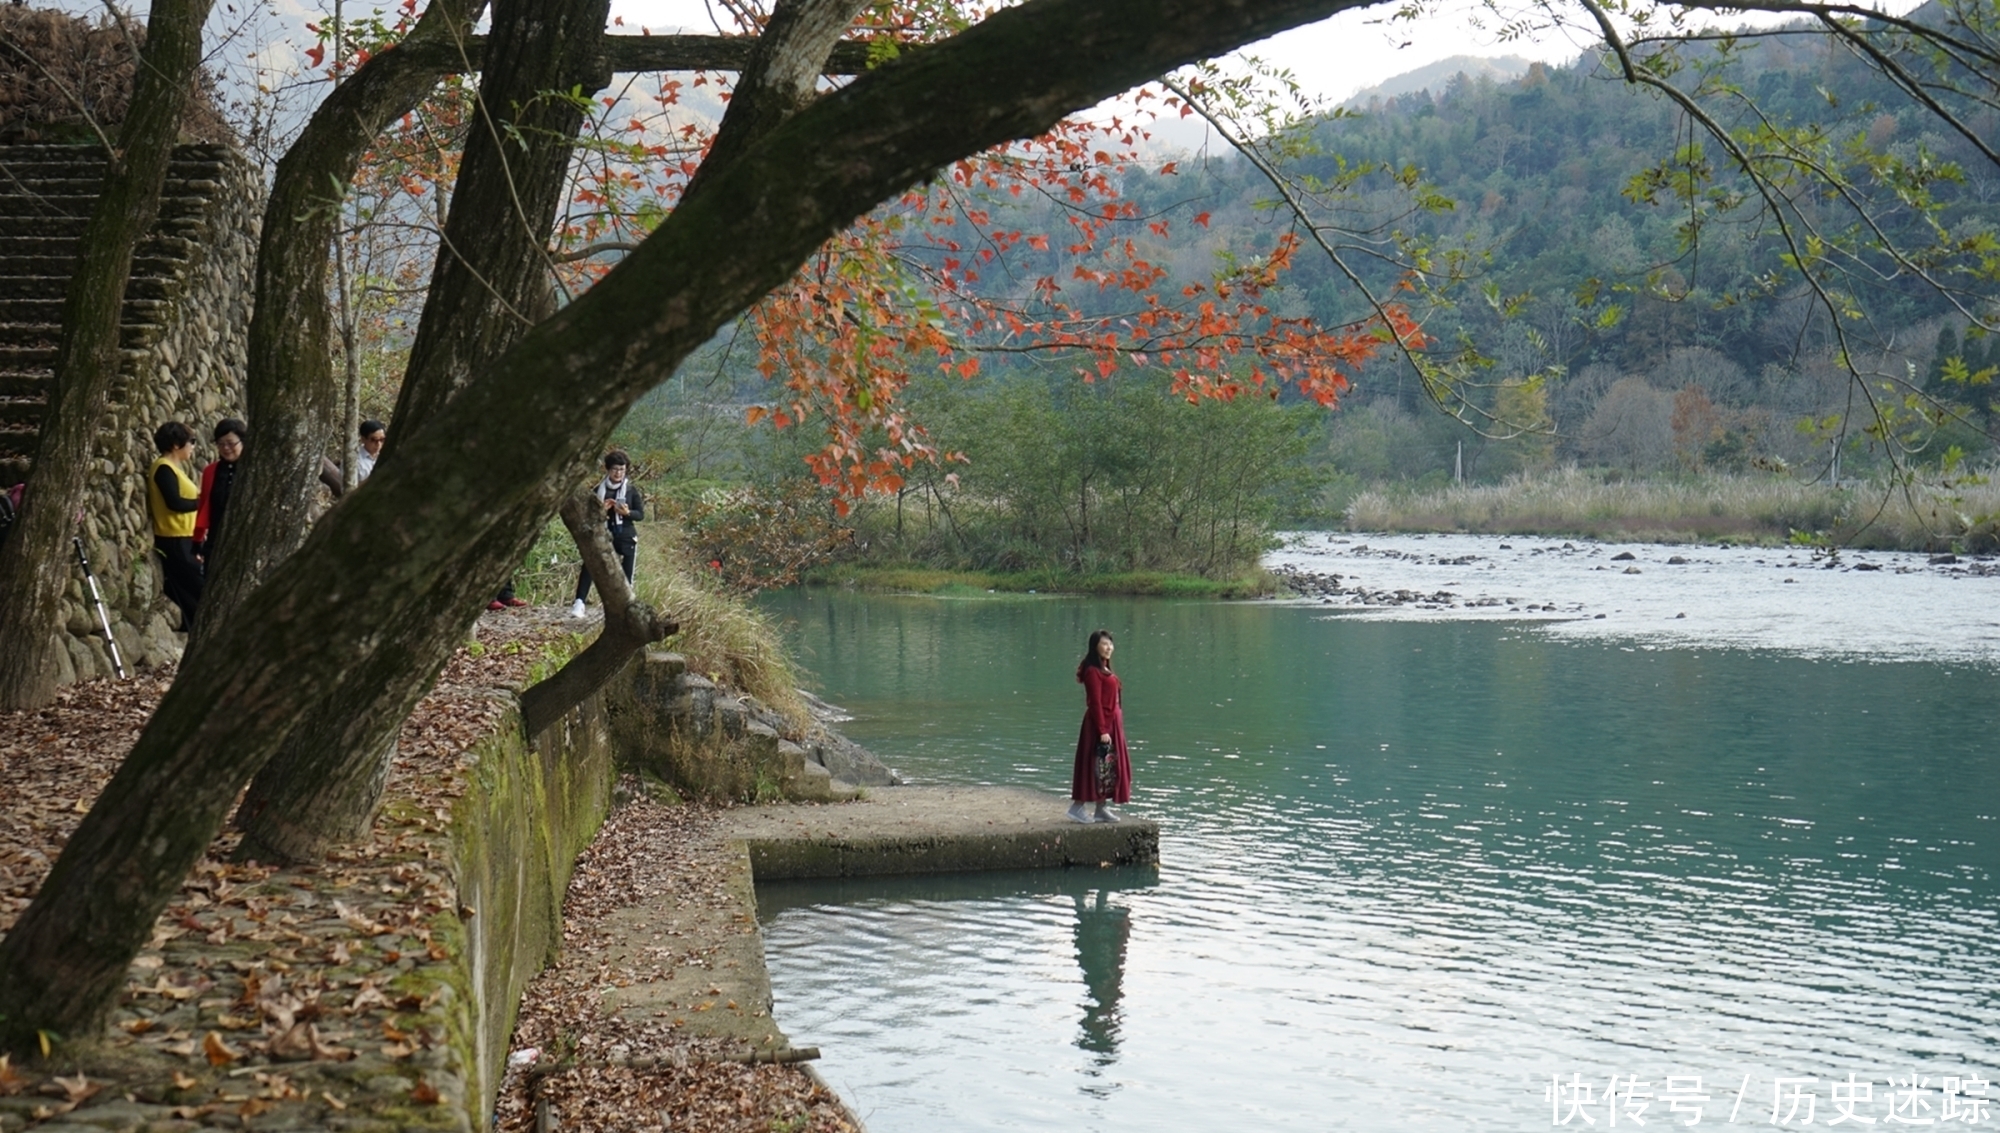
1256	583
330	996
1867	605
658	1012
1758	510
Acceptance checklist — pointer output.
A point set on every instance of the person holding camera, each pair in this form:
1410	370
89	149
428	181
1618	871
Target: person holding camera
1103	772
623	506
172	498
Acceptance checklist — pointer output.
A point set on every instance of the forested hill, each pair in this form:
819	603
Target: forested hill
1539	172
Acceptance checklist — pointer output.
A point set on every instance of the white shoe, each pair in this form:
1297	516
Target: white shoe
1077	813
576	608
1105	814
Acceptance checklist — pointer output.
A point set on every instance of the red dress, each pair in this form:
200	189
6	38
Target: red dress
1101	715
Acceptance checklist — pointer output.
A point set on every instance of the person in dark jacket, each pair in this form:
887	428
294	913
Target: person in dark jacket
173	499
623	506
217	480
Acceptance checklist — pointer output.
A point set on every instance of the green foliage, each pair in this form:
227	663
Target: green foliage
1095	478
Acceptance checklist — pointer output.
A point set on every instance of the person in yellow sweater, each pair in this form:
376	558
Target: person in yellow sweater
172	497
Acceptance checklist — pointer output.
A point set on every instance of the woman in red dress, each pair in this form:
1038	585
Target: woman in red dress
1103	729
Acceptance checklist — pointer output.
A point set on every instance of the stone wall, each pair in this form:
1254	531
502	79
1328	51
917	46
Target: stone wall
714	743
186	324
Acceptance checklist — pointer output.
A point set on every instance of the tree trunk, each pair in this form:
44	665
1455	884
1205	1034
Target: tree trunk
490	285
387	584
629	624
292	395
33	562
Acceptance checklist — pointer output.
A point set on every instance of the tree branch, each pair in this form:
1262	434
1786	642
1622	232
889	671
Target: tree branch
640	53
629	624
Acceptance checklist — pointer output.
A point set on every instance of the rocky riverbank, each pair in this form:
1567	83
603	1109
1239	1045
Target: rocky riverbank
1884	605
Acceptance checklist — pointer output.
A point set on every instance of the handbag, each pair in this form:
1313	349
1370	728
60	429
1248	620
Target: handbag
1107	774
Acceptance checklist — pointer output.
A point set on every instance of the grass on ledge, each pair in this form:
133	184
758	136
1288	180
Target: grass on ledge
961	583
1746	509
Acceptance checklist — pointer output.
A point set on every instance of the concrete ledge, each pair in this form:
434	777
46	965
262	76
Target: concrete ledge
911	830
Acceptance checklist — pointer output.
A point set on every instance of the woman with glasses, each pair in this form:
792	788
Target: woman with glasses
217	480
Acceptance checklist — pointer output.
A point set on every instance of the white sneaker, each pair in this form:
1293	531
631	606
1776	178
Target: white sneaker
576	608
1078	813
1105	814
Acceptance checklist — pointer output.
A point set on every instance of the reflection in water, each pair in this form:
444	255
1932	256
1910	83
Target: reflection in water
1102	929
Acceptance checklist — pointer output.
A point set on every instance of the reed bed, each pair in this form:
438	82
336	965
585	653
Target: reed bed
1569	501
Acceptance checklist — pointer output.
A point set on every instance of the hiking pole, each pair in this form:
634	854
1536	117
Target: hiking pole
103	619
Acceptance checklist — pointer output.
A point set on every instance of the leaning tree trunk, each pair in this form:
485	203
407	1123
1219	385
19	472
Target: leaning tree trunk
629	624
292	394
389	582
490	285
34	562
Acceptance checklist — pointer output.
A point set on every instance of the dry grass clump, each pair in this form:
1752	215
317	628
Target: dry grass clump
1572	501
722	635
63	78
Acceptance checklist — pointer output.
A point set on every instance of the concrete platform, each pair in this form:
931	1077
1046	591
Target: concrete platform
914	830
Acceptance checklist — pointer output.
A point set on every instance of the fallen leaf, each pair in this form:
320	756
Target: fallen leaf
219	1053
294	1045
336	1103
138	1026
253	1107
423	1093
235	1022
79	1088
184	1081
12	1081
397	1050
338	956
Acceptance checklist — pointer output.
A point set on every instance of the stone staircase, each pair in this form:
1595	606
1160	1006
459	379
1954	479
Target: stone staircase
185	343
46	196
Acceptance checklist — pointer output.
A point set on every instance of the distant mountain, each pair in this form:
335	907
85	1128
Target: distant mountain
1435	77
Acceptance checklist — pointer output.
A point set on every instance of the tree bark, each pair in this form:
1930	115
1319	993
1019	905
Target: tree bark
489	286
32	570
393	577
291	391
629	624
292	394
780	78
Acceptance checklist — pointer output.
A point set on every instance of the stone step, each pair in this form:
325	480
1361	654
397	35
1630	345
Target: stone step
27	359
28	336
31	347
26	385
48	312
42	162
13	470
40	227
25	205
63	183
23	286
17	444
22	415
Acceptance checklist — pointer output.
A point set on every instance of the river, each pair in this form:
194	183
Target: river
1437	868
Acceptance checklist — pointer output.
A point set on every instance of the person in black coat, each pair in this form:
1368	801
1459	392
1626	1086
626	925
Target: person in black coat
623	507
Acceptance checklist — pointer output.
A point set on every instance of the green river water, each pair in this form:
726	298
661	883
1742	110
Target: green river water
1449	875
